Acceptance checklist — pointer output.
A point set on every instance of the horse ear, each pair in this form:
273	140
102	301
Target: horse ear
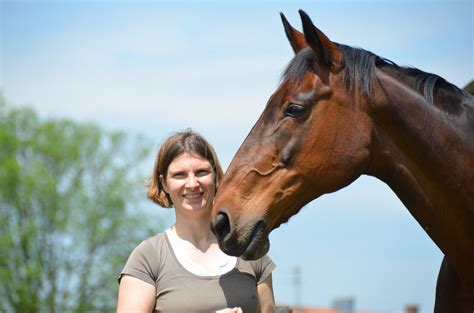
327	52
295	37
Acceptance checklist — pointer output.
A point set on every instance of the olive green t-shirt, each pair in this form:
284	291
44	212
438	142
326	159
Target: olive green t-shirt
178	290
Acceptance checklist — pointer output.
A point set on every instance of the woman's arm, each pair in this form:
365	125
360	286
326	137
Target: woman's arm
135	296
265	294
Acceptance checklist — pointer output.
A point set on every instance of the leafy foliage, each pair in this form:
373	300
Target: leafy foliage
67	221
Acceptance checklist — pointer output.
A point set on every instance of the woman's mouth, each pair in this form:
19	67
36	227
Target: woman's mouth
193	196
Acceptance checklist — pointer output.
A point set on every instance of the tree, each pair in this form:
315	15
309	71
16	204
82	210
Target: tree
68	193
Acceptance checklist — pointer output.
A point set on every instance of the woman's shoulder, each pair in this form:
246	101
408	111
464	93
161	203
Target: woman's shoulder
155	239
147	259
260	268
152	245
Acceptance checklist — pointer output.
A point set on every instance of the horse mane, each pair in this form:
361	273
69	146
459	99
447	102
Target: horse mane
360	65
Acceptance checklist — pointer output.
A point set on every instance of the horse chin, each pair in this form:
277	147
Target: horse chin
256	249
258	243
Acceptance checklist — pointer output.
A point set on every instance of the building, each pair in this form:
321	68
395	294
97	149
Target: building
344	305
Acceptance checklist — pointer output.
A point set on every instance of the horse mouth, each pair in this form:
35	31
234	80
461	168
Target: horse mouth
256	244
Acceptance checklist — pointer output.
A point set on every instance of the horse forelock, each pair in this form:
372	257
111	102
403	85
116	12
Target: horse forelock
301	63
360	66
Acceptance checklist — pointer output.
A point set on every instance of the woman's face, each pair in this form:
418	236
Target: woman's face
190	183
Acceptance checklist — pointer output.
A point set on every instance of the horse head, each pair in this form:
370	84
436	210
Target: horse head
312	138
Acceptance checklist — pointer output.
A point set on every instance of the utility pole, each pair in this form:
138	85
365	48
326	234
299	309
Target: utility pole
297	281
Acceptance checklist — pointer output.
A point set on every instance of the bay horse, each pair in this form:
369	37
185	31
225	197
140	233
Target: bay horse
341	112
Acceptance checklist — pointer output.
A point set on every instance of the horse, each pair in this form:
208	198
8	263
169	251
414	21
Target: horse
340	112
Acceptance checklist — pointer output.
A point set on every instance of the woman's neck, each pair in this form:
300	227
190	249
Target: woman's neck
195	230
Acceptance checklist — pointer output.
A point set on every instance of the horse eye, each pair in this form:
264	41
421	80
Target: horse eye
294	110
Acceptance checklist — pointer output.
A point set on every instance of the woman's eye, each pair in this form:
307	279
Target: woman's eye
179	176
294	110
202	173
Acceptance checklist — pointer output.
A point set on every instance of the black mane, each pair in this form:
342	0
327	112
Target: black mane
360	65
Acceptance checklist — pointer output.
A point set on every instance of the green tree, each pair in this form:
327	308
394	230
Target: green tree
68	193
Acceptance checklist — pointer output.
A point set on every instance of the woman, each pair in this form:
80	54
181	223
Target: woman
183	269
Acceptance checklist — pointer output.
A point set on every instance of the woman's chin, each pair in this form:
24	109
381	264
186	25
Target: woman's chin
196	206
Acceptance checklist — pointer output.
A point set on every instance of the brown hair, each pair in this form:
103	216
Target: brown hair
186	141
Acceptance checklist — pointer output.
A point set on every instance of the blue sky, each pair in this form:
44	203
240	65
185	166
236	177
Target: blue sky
153	68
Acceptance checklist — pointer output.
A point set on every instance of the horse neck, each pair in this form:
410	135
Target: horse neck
427	159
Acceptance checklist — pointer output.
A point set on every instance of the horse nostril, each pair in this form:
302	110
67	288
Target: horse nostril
221	225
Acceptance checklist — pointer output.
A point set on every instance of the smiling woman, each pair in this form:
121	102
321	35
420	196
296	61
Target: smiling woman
183	268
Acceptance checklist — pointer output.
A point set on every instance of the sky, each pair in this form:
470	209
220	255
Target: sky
152	68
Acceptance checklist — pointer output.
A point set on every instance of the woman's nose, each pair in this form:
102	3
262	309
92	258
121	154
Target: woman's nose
192	181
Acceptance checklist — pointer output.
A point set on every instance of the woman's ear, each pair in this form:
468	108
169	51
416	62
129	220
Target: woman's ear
163	184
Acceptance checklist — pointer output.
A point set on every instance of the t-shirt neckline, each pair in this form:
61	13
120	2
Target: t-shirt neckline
193	267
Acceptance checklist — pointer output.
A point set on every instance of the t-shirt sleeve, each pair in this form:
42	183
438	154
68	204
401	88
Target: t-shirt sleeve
263	267
142	263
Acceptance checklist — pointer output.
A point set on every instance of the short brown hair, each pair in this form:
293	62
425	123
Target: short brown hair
186	141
